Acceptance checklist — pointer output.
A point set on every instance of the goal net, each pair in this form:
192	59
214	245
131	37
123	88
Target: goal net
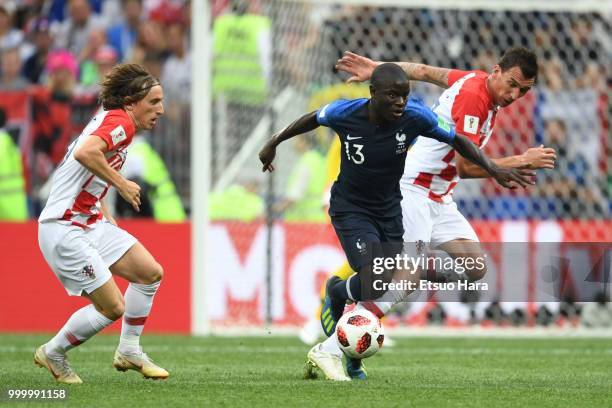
269	243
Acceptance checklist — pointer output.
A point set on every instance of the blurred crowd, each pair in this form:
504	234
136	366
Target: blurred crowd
83	39
568	109
54	54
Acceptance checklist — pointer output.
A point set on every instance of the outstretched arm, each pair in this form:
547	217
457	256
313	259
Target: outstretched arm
426	73
534	158
361	68
505	177
304	124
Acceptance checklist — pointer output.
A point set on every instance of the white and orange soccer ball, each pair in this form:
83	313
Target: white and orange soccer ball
360	333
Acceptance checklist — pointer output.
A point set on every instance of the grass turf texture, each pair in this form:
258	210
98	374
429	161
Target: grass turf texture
268	371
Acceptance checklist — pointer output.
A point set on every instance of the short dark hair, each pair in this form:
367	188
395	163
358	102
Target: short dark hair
126	84
387	71
520	57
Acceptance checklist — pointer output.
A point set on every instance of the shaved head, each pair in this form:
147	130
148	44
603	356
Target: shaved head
386	73
389	89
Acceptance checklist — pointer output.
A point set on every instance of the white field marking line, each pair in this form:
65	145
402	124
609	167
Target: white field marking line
294	349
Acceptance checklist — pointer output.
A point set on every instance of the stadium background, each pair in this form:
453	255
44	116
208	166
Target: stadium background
267	250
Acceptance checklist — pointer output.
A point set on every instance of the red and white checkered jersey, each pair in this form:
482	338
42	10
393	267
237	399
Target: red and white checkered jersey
430	165
76	192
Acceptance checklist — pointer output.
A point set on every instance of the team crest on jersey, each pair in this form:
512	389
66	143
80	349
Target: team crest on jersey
361	246
118	134
89	272
401	143
470	124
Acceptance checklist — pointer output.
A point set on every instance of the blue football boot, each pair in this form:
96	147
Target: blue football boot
355	369
332	309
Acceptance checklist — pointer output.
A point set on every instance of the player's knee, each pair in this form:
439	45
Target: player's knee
114	311
156	274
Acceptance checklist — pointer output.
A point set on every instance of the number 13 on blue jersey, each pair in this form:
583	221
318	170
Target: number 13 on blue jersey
357	156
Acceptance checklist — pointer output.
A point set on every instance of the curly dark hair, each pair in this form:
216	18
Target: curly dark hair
126	84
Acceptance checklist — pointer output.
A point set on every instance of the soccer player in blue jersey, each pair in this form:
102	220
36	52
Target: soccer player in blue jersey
365	199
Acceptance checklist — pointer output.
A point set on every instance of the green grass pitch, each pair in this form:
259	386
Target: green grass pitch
268	371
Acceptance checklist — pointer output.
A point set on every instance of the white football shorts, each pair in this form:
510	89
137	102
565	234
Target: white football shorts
81	258
432	222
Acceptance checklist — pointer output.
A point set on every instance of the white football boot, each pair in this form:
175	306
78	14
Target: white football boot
329	363
59	369
141	363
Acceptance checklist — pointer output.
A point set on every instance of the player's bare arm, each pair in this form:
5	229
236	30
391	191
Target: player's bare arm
426	73
360	68
535	158
90	154
505	177
302	125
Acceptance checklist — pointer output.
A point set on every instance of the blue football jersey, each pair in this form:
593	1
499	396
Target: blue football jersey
373	155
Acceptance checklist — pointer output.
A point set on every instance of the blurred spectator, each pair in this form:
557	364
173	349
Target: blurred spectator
306	184
153	61
62	68
97	39
106	58
145	167
151	39
594	77
11	79
241	74
88	67
485	60
176	71
110	12
9	36
73	33
176	79
553	75
583	48
239	202
34	66
122	36
56	10
242	55
13	204
574	165
567	189
103	61
168	12
51	116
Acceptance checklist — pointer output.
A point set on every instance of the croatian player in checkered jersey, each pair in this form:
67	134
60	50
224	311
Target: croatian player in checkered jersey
81	241
365	199
432	169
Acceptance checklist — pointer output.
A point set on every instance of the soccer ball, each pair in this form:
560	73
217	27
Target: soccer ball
360	333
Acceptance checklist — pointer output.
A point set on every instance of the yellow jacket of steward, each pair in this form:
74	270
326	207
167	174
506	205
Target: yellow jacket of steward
235	203
309	207
237	69
166	203
13	203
